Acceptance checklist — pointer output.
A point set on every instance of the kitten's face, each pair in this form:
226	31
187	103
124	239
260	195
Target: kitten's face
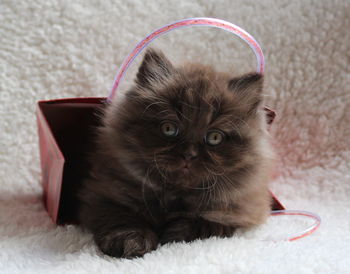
187	126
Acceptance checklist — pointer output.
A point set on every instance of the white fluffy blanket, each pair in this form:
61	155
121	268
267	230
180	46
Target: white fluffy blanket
54	49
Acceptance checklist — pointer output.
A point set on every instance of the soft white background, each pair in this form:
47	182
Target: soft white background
54	49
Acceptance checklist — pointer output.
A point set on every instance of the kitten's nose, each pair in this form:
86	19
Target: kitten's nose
190	153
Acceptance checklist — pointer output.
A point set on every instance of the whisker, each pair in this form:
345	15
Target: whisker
156	164
183	116
143	194
158	102
212	171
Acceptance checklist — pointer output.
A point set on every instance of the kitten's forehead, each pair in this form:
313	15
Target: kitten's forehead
197	102
197	98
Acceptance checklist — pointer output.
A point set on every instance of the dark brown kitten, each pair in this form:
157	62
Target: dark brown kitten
185	155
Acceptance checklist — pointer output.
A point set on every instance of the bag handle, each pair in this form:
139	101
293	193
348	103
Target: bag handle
200	21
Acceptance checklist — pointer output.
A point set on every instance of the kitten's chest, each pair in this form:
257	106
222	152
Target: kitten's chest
170	201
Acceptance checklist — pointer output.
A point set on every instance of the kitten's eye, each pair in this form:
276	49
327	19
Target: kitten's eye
169	129
214	137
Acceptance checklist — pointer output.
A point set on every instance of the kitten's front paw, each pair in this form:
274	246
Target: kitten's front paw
189	229
209	229
127	243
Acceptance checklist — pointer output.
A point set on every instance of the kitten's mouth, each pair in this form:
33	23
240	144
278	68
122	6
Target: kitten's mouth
186	168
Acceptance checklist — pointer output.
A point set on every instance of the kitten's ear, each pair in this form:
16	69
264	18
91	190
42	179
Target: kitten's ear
248	89
155	68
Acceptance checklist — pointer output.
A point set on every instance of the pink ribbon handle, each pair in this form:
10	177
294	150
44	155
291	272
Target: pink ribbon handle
201	21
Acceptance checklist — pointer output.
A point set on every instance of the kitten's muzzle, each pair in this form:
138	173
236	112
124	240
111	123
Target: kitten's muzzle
190	154
187	163
188	157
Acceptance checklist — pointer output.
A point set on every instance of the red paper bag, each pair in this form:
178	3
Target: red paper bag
66	128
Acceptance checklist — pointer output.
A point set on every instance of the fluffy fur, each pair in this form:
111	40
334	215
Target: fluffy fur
146	188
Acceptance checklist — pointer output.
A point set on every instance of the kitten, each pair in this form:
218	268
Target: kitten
184	156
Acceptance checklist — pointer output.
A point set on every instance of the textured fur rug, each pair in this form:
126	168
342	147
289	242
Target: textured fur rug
54	49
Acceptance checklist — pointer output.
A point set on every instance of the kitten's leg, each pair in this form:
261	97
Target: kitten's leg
188	229
119	232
